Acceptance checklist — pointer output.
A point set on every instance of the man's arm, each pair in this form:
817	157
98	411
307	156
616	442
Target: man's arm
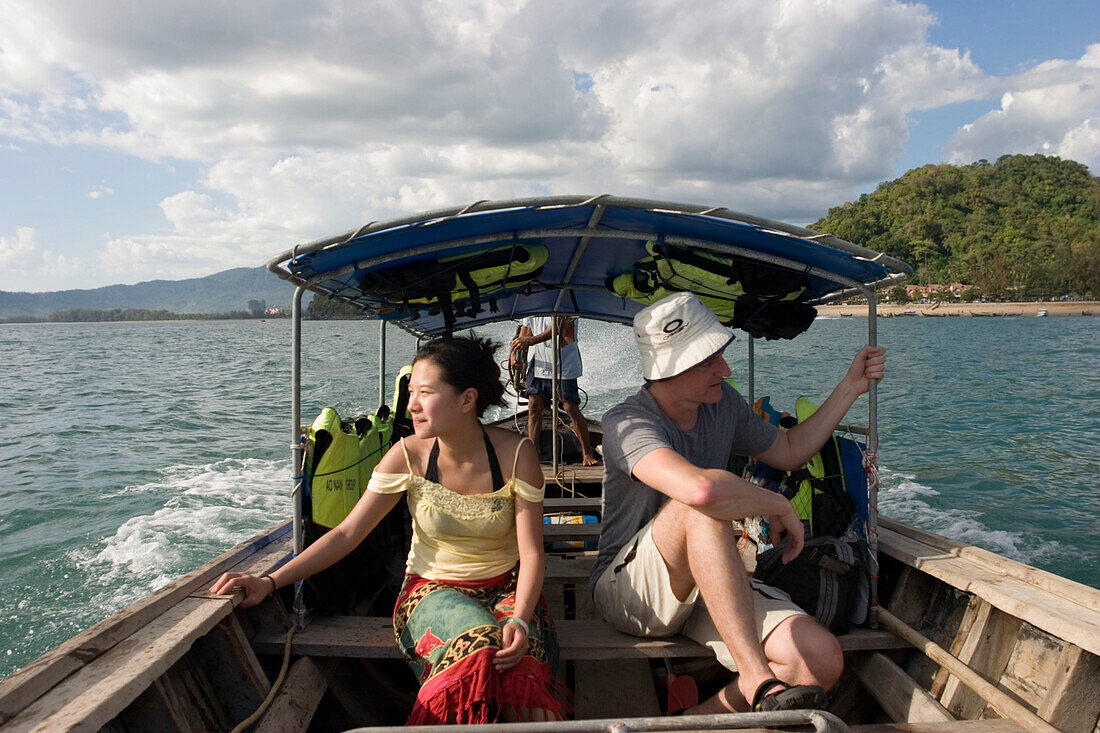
719	494
794	447
567	331
527	339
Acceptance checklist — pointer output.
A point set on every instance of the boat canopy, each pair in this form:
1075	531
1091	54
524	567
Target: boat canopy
574	247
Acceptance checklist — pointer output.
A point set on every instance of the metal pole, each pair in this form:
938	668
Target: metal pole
554	354
382	363
297	446
872	453
752	371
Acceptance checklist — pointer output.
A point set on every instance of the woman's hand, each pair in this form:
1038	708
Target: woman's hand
255	589
513	646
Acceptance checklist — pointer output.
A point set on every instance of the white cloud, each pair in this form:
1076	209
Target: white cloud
23	261
203	238
1052	109
308	118
99	191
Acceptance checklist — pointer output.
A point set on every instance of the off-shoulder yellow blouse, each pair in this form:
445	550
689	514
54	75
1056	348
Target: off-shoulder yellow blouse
459	536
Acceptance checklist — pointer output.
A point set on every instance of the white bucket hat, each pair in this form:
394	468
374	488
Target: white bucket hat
676	333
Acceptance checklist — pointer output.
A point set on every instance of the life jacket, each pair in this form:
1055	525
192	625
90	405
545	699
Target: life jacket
341	463
830	490
345	453
456	285
402	419
759	298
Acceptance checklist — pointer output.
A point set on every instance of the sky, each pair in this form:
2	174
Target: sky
143	140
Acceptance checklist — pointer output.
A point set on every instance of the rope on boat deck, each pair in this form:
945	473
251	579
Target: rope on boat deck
251	719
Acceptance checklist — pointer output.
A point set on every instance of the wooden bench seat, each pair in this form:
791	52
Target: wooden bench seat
372	637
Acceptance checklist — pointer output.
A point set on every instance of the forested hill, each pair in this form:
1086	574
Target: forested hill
222	292
1027	225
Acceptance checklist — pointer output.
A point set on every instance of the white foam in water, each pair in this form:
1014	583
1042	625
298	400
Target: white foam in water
210	509
901	497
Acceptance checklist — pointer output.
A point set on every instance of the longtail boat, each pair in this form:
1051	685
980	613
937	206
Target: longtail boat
958	638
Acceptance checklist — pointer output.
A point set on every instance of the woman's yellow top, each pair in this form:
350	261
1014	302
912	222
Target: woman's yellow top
459	536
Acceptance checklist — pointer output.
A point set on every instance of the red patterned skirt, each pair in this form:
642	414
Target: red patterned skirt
449	632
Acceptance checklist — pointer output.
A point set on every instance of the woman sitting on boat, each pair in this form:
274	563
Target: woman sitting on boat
469	619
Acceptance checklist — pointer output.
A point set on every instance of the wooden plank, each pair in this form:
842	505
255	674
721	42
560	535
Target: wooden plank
1065	588
1072	701
986	650
195	696
1004	704
105	686
155	709
372	637
572	504
615	689
298	698
975	609
572	474
1051	613
569	569
1033	664
898	693
25	685
226	658
551	532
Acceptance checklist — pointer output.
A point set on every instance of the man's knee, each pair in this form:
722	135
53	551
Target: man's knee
808	650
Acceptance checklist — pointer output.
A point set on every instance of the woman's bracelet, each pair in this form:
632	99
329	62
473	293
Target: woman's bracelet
274	587
521	623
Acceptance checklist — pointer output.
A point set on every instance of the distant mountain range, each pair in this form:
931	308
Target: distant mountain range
222	292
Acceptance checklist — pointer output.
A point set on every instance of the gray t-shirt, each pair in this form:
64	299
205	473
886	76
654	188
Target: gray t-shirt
637	426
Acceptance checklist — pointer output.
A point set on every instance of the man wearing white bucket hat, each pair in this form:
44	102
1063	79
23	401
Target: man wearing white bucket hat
668	561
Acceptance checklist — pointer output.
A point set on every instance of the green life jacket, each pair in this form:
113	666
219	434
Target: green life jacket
829	488
341	463
759	298
829	482
457	285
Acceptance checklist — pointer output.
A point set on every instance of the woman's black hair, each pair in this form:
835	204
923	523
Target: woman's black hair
465	362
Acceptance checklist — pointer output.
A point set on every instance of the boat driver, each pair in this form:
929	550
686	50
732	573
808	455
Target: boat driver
668	561
535	335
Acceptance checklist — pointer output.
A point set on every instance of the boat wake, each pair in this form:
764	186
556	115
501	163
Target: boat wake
901	497
211	508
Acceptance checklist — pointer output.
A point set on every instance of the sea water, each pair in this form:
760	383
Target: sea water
133	453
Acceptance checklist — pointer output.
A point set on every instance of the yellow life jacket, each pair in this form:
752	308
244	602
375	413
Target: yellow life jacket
339	476
803	498
457	285
762	299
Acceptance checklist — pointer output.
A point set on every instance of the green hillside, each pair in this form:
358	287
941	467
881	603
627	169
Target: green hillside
1027	225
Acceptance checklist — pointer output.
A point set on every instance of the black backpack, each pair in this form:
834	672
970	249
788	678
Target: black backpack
826	580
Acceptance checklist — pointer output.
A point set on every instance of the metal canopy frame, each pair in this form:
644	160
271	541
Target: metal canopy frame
893	271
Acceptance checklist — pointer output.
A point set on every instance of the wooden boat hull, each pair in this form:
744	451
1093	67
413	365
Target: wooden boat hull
197	662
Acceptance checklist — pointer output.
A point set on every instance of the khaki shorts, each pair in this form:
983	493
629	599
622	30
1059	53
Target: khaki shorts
635	596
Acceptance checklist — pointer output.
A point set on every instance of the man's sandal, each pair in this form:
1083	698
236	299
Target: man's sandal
799	697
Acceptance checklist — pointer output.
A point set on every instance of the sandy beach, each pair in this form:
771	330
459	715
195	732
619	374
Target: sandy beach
1054	308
